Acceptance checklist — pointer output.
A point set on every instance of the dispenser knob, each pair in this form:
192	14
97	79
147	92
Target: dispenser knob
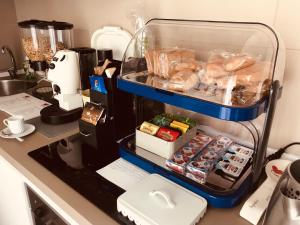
56	89
51	66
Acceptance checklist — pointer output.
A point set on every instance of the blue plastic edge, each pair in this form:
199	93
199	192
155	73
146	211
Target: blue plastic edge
197	105
216	201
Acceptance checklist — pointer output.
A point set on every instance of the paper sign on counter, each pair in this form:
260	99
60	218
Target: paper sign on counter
123	173
22	104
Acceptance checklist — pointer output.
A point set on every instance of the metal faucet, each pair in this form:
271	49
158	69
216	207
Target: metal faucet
13	69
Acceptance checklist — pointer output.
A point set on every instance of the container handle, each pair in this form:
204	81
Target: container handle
85	134
164	195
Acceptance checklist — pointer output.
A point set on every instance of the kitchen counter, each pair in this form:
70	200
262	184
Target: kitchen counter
64	197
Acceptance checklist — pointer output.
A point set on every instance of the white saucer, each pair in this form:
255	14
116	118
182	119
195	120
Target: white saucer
28	129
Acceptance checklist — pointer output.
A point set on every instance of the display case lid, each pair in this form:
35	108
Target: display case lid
230	64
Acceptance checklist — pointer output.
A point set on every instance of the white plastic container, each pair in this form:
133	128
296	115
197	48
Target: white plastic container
157	200
161	147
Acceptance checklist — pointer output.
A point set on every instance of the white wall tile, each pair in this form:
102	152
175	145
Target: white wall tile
286	126
232	10
287	22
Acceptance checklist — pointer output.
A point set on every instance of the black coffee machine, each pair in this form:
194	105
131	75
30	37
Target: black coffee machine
100	140
87	62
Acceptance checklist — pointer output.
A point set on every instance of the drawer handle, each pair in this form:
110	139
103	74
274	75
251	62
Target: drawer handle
85	134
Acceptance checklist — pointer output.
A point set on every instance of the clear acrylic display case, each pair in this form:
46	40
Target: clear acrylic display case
229	64
226	75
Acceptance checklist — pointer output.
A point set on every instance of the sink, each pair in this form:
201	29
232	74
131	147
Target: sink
11	87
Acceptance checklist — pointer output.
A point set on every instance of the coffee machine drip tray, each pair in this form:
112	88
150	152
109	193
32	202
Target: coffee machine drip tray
84	179
55	115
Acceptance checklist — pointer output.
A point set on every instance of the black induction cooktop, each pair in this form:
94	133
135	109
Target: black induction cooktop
95	188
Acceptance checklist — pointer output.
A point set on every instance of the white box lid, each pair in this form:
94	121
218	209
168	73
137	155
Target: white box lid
157	200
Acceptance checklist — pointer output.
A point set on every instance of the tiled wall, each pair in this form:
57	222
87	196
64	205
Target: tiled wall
284	15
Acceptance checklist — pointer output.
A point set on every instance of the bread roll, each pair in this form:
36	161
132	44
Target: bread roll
156	63
183	81
238	62
215	70
216	58
192	65
166	62
223	82
258	72
156	82
215	75
149	61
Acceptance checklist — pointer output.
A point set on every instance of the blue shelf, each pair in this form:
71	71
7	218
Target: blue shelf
197	105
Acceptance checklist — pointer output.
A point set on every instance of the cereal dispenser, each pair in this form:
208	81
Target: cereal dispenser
205	96
41	39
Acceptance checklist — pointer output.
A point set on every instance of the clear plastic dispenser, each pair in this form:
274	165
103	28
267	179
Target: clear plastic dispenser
31	42
226	76
41	39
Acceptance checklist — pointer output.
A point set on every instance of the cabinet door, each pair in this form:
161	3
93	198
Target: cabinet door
14	204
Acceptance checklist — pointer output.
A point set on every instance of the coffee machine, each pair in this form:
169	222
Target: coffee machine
65	80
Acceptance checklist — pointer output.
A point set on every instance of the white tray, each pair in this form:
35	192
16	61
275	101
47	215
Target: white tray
157	200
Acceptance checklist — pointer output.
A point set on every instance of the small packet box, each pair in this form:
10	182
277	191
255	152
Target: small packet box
161	147
200	166
181	158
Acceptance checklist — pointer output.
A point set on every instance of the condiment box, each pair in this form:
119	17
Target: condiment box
161	147
157	200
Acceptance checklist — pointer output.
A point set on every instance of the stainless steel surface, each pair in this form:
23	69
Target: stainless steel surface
10	87
13	69
284	206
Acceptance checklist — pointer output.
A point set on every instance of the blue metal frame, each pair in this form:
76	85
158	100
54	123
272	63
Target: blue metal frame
214	200
197	105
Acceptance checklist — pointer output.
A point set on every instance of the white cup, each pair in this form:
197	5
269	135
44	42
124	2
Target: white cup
15	124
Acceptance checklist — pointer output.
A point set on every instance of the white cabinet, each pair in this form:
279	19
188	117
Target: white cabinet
14	204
